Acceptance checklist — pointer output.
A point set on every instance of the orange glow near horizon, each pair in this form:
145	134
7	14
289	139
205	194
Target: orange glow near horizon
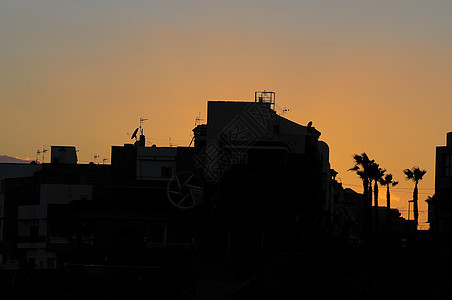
87	84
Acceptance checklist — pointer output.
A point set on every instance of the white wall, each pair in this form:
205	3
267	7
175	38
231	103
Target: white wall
36	215
151	160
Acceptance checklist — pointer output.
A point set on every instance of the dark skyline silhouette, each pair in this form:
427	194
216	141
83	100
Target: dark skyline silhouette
255	201
252	208
164	62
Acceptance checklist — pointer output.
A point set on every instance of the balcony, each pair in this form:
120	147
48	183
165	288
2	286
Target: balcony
33	241
186	246
61	242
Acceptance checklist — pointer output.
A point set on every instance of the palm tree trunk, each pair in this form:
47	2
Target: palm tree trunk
388	208
369	194
377	223
367	206
415	208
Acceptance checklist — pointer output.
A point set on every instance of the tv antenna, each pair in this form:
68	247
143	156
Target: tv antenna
198	119
134	134
95	156
141	122
285	110
38	152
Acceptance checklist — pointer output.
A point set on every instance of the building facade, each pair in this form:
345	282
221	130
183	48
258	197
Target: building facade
9	171
254	181
440	205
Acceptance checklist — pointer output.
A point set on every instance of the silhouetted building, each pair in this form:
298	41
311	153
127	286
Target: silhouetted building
396	223
253	182
42	212
8	172
269	176
440	205
145	163
354	213
63	155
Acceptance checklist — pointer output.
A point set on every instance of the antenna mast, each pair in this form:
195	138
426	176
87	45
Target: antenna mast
141	122
43	151
198	119
285	110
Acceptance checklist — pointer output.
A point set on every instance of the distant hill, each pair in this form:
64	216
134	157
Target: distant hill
15	160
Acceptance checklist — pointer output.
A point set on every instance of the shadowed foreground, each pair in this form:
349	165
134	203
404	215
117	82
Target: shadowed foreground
348	273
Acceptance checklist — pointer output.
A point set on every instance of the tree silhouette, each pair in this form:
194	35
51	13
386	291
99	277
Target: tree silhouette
362	168
388	181
375	175
415	174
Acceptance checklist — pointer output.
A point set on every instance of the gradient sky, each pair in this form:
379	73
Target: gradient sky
373	76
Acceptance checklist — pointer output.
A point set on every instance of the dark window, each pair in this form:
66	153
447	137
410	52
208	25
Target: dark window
156	233
34	233
166	172
126	232
447	165
446	200
51	263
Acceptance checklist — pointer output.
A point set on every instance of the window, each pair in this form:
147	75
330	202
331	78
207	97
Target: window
156	233
34	233
447	165
126	232
446	200
166	172
51	263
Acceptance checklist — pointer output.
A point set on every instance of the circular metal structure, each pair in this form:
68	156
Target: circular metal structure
185	190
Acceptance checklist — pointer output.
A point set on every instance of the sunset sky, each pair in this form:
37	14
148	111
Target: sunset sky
373	76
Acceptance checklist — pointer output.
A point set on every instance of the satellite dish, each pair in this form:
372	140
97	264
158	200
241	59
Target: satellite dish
185	190
134	134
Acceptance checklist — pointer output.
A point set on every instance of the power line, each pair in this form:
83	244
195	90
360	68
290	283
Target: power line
399	190
394	188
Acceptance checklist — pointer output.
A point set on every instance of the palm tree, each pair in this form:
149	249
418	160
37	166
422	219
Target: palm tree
362	169
387	181
375	175
415	174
